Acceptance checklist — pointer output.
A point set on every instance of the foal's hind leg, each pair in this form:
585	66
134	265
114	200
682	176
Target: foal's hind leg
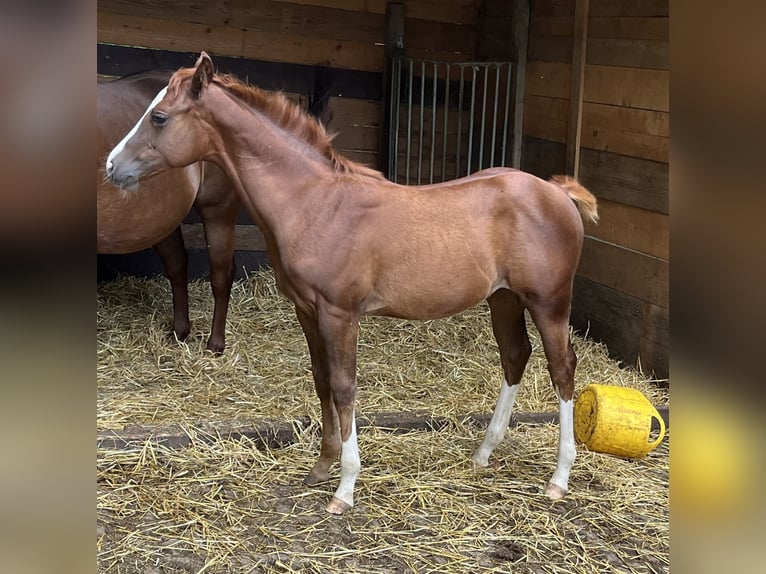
552	320
172	252
511	336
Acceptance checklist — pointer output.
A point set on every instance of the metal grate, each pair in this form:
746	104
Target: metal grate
448	120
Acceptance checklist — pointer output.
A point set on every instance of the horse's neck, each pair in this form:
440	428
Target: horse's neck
274	170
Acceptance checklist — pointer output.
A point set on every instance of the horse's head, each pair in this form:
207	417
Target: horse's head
173	132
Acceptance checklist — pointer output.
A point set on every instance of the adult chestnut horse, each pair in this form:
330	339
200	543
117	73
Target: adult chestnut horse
150	216
344	241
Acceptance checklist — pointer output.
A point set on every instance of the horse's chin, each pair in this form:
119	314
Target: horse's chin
131	186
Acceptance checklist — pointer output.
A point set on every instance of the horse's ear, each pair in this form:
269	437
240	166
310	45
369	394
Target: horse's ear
203	74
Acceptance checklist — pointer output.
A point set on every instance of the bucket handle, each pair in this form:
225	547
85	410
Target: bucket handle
661	421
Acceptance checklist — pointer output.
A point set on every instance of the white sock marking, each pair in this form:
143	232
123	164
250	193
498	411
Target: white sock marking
567	450
350	465
498	424
120	146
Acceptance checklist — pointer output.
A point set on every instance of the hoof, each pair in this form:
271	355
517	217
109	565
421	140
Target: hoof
479	462
337	506
180	334
312	480
554	491
215	348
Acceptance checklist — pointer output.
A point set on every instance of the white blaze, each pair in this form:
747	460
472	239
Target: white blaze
120	146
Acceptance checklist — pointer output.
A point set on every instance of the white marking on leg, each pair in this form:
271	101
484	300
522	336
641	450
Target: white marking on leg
567	450
350	465
497	425
120	146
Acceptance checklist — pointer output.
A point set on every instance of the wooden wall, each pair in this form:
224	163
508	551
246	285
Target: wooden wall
621	293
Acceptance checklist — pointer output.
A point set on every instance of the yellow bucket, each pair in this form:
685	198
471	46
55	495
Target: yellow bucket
616	420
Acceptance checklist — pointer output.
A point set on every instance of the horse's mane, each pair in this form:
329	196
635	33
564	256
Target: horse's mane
288	116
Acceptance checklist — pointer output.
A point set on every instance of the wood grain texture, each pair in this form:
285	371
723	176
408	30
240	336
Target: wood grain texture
627	271
259	45
461	11
632	181
248	237
637	229
634	331
627	87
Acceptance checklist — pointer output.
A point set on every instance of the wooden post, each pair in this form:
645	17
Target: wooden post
394	47
519	39
577	81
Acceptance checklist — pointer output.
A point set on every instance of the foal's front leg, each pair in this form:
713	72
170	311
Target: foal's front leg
338	332
330	427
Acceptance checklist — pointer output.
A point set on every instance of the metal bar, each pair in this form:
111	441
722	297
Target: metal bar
483	118
396	100
422	110
507	108
433	126
459	122
470	125
493	155
409	129
446	121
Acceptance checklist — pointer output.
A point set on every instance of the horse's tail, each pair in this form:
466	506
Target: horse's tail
584	199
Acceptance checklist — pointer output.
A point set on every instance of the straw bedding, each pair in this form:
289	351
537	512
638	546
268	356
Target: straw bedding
227	506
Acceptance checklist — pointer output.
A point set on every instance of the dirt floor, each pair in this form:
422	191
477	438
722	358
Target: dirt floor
225	506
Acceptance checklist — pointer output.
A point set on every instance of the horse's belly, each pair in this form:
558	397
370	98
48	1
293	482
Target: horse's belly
441	295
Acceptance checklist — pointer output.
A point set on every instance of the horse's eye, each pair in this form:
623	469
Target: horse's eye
159	119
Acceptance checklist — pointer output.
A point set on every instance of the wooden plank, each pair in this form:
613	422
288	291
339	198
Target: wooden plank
275	433
297	78
638	229
606	128
460	11
549	79
493	41
247	237
579	52
632	28
551	26
629	53
553	8
520	40
542	157
642	8
272	46
642	276
632	181
368	158
628	327
643	146
299	19
353	112
629	120
550	48
628	87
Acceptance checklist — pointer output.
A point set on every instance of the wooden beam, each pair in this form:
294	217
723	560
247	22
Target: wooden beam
278	434
520	40
576	85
